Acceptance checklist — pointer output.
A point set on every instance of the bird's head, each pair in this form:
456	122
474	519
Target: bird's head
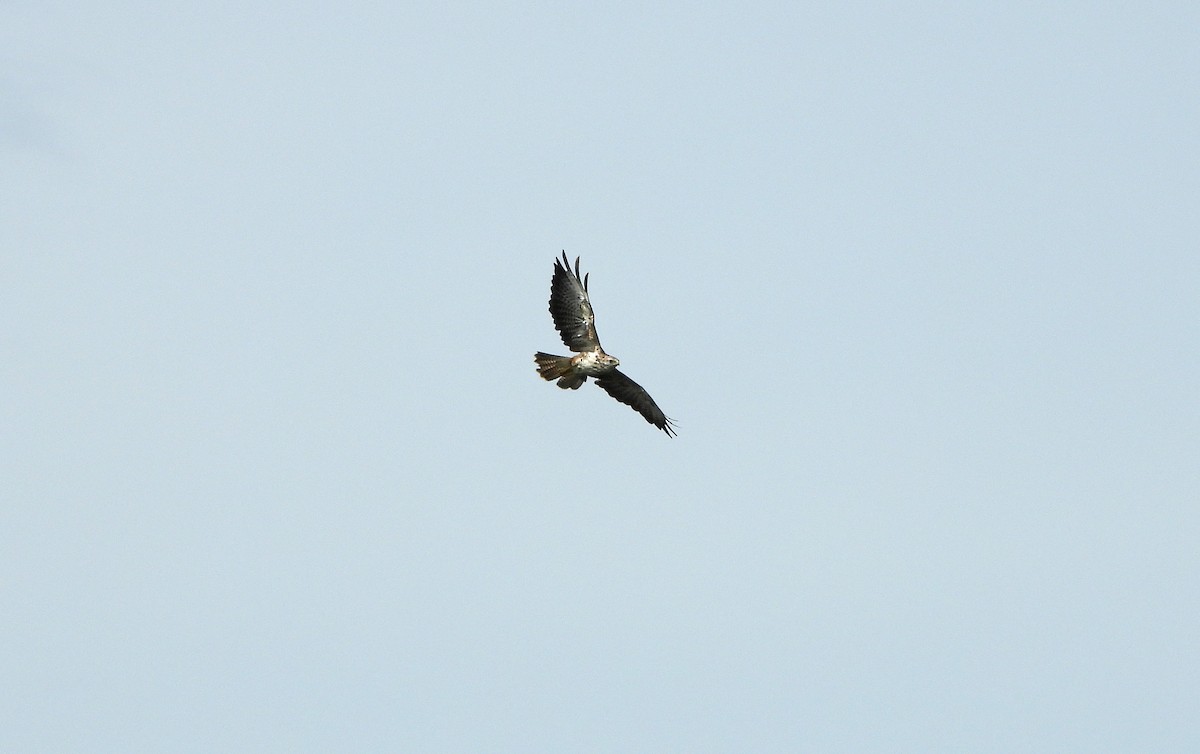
610	361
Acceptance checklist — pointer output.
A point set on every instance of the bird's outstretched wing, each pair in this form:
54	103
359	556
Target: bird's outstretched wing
625	390
570	308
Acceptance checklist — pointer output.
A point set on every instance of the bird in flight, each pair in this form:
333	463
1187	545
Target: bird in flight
573	318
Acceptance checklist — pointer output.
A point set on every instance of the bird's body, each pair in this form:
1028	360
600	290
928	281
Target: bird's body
594	363
576	323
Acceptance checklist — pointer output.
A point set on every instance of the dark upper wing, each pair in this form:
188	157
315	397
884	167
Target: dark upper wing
570	308
616	384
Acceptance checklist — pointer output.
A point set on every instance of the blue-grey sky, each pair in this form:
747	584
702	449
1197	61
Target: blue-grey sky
918	282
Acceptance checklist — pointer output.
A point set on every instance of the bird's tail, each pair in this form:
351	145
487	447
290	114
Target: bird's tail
551	367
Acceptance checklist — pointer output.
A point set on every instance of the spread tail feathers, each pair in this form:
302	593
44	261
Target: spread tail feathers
551	367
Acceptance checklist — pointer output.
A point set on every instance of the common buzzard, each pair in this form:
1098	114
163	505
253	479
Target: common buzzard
573	318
